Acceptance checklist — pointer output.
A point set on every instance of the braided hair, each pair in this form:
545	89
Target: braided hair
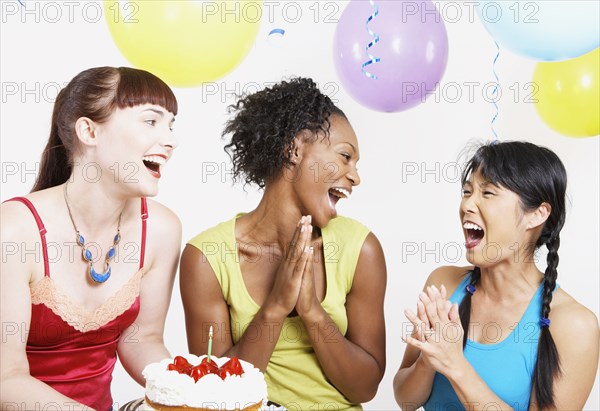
537	176
265	124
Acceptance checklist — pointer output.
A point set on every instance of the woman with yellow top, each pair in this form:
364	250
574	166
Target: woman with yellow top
290	286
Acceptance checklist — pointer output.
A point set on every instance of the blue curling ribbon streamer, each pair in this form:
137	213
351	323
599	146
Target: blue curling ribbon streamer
495	92
277	31
372	59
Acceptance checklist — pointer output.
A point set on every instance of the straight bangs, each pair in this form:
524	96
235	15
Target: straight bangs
137	87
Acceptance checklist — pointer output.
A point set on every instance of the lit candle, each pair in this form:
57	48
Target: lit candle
210	335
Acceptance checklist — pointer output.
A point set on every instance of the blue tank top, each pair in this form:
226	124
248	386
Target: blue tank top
506	366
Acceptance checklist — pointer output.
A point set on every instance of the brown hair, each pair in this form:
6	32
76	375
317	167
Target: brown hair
94	93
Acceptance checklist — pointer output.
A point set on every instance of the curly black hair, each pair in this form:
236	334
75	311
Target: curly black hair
266	122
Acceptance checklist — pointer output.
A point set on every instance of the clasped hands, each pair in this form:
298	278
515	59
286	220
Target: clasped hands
294	287
437	331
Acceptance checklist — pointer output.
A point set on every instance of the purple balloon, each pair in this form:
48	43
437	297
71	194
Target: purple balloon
413	48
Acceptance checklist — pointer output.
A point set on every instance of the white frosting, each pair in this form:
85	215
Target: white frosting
234	392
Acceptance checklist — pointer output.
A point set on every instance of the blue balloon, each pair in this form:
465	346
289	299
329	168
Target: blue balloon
546	30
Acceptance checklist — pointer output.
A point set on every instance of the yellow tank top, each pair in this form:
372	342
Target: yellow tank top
294	376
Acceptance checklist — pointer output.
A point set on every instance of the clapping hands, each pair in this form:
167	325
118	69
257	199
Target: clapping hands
438	332
293	290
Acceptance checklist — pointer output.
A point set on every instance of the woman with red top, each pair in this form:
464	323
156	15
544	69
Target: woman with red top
100	279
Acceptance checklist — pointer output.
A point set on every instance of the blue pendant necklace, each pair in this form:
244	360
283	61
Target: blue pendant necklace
87	254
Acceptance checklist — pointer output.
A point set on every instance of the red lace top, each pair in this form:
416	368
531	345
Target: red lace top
74	350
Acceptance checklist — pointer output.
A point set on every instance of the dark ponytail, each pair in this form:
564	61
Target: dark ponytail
94	93
537	176
56	164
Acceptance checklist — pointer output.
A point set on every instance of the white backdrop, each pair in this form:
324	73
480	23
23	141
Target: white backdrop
410	192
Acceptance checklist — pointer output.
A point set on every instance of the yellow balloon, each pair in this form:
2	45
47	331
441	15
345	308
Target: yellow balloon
568	98
184	42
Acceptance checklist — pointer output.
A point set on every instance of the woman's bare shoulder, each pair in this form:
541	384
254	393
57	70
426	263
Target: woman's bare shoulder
450	276
568	314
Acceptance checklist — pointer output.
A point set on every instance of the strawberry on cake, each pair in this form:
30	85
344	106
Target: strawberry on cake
194	383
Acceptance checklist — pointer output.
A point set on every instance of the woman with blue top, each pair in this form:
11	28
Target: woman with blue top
508	337
291	286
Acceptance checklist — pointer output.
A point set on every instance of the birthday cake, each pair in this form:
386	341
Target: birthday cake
193	383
